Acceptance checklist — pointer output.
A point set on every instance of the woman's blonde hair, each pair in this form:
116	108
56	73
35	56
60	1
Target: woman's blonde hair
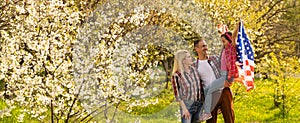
179	57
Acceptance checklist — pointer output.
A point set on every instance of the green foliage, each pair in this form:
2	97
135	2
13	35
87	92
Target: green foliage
154	54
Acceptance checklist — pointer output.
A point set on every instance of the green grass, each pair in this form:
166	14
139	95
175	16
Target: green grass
256	106
165	115
14	115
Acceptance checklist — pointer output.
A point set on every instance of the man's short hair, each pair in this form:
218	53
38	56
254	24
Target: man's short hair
196	42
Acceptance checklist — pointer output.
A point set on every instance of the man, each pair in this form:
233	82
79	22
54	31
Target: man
209	68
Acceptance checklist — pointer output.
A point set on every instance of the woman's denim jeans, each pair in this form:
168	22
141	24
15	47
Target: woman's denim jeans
194	109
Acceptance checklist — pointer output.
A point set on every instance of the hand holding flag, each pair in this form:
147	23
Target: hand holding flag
222	28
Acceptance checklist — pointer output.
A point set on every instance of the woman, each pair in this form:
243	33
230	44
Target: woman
228	72
186	86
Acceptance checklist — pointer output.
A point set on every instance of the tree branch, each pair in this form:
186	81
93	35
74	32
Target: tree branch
271	8
115	112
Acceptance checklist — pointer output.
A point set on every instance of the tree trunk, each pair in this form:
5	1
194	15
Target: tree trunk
167	65
276	93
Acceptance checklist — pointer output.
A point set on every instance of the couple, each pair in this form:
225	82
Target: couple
205	82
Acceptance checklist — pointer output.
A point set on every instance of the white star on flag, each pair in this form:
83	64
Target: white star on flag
245	58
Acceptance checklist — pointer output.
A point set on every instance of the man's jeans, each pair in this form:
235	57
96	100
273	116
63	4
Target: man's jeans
194	109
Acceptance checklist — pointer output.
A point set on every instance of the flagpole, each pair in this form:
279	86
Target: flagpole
243	49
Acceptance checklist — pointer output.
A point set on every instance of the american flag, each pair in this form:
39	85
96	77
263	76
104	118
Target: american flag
245	58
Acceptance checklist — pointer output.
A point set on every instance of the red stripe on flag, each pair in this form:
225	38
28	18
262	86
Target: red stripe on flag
248	73
251	68
247	62
250	83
